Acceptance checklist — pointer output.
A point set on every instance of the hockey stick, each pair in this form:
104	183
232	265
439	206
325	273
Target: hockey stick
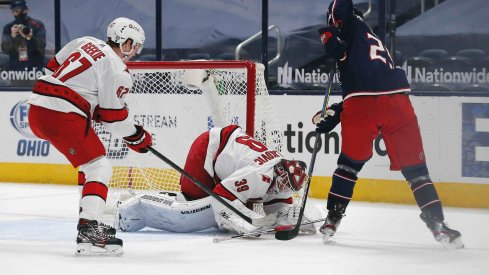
290	233
275	229
267	220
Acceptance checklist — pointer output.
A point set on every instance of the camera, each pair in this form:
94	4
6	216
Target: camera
24	29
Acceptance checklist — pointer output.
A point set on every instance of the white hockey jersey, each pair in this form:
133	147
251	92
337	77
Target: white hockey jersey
242	165
83	75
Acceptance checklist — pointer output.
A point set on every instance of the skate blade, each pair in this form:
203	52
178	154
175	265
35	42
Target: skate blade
455	244
328	239
89	250
307	230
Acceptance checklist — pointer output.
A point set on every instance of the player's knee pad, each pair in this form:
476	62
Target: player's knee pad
98	170
344	179
415	173
354	166
423	189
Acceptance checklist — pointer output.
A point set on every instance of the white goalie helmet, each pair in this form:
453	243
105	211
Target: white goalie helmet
122	29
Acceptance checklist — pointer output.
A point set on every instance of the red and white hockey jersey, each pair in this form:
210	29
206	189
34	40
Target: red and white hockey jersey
242	166
83	75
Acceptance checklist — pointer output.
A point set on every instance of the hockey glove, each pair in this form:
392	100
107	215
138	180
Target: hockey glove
331	118
333	45
139	141
288	215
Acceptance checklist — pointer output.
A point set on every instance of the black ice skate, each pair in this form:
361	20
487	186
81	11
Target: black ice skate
448	237
333	220
96	239
108	229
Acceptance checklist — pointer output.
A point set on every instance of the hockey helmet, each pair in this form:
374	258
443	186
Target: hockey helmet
122	29
290	173
340	14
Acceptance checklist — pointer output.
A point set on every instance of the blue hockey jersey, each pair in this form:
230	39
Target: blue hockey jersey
368	68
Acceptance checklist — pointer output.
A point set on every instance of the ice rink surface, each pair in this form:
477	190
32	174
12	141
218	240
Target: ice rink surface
38	231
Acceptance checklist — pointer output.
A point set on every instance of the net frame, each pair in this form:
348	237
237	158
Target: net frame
254	83
231	64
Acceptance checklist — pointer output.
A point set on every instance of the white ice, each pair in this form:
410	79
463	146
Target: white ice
38	230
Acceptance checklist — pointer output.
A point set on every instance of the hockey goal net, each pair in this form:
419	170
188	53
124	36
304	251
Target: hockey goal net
168	100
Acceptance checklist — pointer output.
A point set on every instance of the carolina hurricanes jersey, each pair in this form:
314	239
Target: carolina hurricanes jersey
84	74
242	166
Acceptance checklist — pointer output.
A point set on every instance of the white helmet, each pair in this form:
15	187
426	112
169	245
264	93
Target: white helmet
122	29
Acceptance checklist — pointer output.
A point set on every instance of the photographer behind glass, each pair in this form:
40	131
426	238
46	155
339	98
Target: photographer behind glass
24	39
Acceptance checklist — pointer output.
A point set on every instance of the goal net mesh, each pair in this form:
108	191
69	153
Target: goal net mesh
168	102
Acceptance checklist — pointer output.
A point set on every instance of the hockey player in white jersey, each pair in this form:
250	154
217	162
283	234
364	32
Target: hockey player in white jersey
88	79
235	166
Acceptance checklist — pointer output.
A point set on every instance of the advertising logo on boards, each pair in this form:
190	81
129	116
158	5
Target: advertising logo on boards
19	120
30	145
475	140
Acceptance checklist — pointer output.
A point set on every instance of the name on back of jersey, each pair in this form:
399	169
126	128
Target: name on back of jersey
93	51
267	156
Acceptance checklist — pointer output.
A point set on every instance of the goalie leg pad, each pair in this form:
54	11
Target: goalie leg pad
165	213
128	216
161	211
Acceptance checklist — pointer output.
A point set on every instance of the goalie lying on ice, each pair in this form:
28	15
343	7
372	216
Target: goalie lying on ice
235	166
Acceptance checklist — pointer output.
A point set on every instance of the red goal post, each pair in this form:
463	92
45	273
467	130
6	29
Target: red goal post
176	102
249	66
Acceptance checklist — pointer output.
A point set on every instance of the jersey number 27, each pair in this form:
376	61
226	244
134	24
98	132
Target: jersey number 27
377	49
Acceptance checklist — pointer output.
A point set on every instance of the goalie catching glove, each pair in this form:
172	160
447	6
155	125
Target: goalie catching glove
284	216
331	118
288	215
139	141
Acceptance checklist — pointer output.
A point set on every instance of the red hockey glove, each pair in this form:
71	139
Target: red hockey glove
331	118
139	141
333	45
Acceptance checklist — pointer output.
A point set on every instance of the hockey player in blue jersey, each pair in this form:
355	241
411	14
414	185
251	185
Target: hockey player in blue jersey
375	101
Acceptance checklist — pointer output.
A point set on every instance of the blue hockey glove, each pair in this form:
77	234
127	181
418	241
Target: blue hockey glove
333	45
331	118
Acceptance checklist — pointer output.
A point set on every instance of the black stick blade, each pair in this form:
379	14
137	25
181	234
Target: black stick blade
286	235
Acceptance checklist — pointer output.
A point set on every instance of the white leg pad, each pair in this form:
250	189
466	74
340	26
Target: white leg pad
165	213
129	216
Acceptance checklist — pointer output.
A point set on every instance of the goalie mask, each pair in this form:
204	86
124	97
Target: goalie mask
122	29
289	174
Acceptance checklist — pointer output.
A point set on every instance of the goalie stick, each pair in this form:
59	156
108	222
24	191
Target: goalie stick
267	220
278	228
290	233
